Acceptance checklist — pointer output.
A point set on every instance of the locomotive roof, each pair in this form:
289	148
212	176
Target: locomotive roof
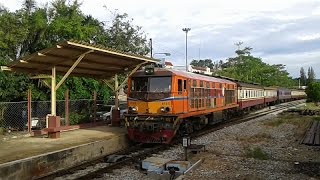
200	76
170	72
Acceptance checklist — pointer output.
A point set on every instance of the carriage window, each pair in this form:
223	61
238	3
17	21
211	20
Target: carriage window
201	83
179	85
194	83
184	84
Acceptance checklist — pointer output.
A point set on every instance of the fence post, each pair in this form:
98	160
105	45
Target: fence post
94	106
29	110
66	94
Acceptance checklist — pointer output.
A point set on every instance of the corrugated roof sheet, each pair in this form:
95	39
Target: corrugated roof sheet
100	63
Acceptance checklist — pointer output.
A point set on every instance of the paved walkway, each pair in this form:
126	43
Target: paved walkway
24	147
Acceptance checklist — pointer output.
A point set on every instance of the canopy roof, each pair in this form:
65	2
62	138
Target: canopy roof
87	60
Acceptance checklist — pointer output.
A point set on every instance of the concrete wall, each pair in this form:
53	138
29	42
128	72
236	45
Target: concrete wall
45	164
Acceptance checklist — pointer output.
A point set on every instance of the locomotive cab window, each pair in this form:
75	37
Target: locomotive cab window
151	84
184	84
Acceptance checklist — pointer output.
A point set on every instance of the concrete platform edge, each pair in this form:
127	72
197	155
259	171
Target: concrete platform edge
48	163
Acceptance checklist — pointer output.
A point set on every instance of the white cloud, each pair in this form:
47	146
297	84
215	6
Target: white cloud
309	37
279	31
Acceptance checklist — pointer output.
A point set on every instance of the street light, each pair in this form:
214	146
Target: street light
186	30
166	54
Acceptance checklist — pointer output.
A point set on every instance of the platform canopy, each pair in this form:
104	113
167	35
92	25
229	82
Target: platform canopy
85	60
72	58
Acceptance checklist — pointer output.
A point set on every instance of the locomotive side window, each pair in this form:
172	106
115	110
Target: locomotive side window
179	86
184	84
132	85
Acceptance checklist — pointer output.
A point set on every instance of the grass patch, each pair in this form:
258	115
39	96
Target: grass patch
309	106
274	123
254	139
257	153
288	119
301	122
316	118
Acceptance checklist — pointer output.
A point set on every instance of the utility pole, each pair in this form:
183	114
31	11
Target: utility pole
151	47
186	30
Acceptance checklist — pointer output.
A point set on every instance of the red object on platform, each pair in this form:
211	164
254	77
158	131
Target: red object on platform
54	123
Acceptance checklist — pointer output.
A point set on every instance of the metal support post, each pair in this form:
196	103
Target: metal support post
29	110
94	106
67	107
116	84
53	92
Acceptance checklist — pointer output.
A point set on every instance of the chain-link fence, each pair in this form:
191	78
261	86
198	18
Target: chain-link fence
14	115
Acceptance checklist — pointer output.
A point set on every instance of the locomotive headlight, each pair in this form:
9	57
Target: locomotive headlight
162	109
149	69
134	108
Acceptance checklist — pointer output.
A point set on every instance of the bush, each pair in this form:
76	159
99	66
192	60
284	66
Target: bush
75	118
257	153
313	92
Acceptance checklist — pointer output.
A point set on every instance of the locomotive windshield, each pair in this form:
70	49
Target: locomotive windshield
151	84
150	88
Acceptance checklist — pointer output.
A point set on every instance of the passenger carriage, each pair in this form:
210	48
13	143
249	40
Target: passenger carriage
250	96
270	96
284	95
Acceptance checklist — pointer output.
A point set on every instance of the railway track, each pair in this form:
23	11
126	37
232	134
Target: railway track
135	154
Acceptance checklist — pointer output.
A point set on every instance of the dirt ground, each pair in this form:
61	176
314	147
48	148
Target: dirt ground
266	148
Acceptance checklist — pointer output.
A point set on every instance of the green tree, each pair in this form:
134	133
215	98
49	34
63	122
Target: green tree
313	92
303	77
311	76
203	63
126	37
33	28
248	68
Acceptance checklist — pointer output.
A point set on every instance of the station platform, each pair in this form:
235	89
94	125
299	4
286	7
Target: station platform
31	157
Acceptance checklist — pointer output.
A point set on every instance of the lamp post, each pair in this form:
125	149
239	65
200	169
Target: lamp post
165	53
186	30
151	48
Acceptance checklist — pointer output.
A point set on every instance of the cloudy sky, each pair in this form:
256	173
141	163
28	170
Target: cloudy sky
286	32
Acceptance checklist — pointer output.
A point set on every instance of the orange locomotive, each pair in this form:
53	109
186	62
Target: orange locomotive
163	103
